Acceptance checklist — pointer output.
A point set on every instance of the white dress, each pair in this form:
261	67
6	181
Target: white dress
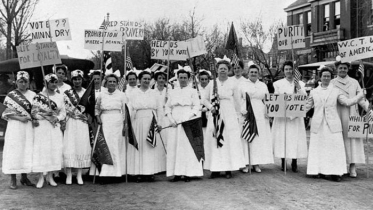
19	139
203	92
230	156
261	148
111	108
63	88
296	139
147	160
47	154
76	145
129	92
181	159
162	119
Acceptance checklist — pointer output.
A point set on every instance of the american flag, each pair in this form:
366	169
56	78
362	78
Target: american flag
107	61
122	83
361	69
151	134
129	62
104	25
235	59
297	76
250	129
218	121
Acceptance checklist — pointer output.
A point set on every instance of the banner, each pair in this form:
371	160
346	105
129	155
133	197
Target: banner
132	30
193	130
178	50
59	30
356	49
291	34
101	154
33	55
196	46
358	128
294	104
112	40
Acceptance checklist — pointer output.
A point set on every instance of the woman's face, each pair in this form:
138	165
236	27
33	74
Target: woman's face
132	81
61	75
237	70
111	83
161	80
77	82
204	80
145	81
183	79
325	78
22	84
223	70
97	80
342	70
52	85
288	71
253	74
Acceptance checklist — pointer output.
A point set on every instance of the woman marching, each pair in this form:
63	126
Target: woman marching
48	107
61	72
227	154
76	147
110	111
19	135
289	131
96	77
149	158
261	147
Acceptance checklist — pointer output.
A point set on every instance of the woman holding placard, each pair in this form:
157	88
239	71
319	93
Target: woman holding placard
19	135
327	151
289	131
261	147
49	109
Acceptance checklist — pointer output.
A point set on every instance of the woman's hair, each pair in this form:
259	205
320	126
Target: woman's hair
143	73
223	62
113	76
182	71
326	69
159	73
287	63
131	73
203	73
63	67
240	63
338	63
253	67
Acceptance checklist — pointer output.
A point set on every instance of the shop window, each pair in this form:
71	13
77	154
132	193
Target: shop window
309	21
326	18
337	15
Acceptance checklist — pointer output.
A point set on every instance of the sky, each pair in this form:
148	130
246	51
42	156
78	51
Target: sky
89	14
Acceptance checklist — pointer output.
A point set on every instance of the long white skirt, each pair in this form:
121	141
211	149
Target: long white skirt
181	159
47	154
326	153
230	156
76	146
112	126
296	139
18	147
147	160
261	148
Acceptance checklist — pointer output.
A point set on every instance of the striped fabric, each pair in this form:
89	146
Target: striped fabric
361	69
218	121
122	83
235	59
151	134
297	76
129	64
250	128
104	25
107	61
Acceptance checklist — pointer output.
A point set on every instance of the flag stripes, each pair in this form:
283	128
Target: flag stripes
235	59
361	69
151	134
104	25
107	61
250	128
129	64
297	76
121	83
218	121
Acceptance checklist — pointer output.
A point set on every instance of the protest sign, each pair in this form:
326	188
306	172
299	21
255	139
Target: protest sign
356	49
34	55
293	104
358	128
132	30
291	35
178	50
59	30
112	40
196	46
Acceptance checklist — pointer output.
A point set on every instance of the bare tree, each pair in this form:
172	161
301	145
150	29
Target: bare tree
15	14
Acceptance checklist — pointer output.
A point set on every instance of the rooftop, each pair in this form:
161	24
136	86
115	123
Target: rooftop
297	4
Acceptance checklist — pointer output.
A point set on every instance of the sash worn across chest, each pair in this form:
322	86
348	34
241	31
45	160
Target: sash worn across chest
73	96
40	98
21	100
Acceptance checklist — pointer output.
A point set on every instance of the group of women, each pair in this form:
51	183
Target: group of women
48	131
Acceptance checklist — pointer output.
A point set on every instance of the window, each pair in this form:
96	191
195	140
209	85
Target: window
337	15
326	18
300	18
309	21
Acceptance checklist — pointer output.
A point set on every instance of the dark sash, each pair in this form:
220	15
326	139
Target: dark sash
21	100
73	96
43	100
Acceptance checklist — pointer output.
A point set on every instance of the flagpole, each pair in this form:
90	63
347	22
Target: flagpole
125	88
50	36
164	147
93	150
194	75
45	82
248	143
285	134
168	66
366	138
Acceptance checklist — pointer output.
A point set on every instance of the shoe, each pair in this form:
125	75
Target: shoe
40	183
282	164
214	175
79	180
26	181
245	170
176	179
151	178
228	174
138	179
13	184
257	169
353	173
69	176
50	180
294	166
186	178
336	178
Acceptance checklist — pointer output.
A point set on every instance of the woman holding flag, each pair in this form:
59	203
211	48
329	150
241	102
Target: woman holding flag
19	135
76	145
261	146
289	131
48	108
149	158
226	152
